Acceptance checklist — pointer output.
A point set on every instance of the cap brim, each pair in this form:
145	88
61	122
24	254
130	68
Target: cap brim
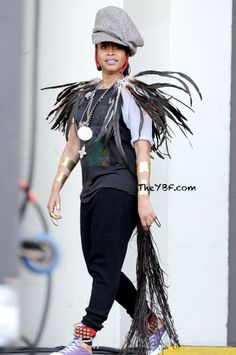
99	37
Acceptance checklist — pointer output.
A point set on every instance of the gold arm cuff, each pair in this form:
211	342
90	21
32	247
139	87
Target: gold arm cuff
67	162
143	167
143	187
61	178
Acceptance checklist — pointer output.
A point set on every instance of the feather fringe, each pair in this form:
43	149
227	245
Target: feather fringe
67	101
151	297
149	97
152	99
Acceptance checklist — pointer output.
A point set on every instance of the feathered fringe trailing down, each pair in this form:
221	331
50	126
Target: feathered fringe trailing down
149	97
151	298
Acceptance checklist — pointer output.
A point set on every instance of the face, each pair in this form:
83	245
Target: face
111	56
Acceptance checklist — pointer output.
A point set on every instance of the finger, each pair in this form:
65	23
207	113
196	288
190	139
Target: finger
51	206
149	222
54	215
54	207
146	226
57	210
143	223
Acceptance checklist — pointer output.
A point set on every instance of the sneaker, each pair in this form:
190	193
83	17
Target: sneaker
73	348
158	341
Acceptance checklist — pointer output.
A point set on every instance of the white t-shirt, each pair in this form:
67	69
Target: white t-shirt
131	117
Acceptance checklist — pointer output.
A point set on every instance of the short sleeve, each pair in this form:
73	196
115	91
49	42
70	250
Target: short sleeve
131	116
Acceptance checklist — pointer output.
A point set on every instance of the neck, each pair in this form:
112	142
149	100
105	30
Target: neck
109	79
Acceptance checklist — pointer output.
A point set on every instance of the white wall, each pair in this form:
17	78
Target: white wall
200	45
189	36
195	38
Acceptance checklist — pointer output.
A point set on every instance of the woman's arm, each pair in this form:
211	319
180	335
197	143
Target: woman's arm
68	160
145	210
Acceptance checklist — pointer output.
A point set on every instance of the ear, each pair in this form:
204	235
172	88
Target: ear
96	60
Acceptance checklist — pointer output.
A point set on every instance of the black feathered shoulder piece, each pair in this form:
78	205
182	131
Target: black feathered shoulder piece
66	102
149	97
160	105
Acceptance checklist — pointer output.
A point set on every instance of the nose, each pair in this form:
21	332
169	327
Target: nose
110	50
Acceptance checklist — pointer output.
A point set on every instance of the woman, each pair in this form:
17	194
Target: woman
110	132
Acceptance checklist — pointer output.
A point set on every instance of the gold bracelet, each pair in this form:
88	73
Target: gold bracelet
61	178
143	188
143	166
67	163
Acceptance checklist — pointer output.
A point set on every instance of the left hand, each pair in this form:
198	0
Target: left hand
146	212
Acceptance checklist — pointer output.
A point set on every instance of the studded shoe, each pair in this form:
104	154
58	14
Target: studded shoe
81	343
159	338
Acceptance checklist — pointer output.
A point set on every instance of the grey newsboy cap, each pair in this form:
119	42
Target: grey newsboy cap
112	24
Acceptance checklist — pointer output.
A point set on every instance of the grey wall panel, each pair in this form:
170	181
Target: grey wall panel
10	91
232	197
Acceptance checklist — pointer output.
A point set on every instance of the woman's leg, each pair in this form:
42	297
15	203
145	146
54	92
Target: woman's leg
126	294
111	218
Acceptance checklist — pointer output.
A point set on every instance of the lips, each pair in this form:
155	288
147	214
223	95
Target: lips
111	61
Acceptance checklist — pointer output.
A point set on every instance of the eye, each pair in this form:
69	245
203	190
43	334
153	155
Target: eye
103	45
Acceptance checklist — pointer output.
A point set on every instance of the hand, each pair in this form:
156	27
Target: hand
146	212
54	205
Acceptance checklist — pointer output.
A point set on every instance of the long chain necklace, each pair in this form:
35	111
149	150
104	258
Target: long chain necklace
85	133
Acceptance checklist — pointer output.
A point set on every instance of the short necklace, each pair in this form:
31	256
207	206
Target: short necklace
85	133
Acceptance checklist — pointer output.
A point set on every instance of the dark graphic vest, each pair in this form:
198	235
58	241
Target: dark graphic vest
102	166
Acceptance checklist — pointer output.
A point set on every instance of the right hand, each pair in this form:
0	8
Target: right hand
146	212
54	205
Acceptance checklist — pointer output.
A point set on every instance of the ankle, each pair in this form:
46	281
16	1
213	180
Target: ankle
154	322
85	333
